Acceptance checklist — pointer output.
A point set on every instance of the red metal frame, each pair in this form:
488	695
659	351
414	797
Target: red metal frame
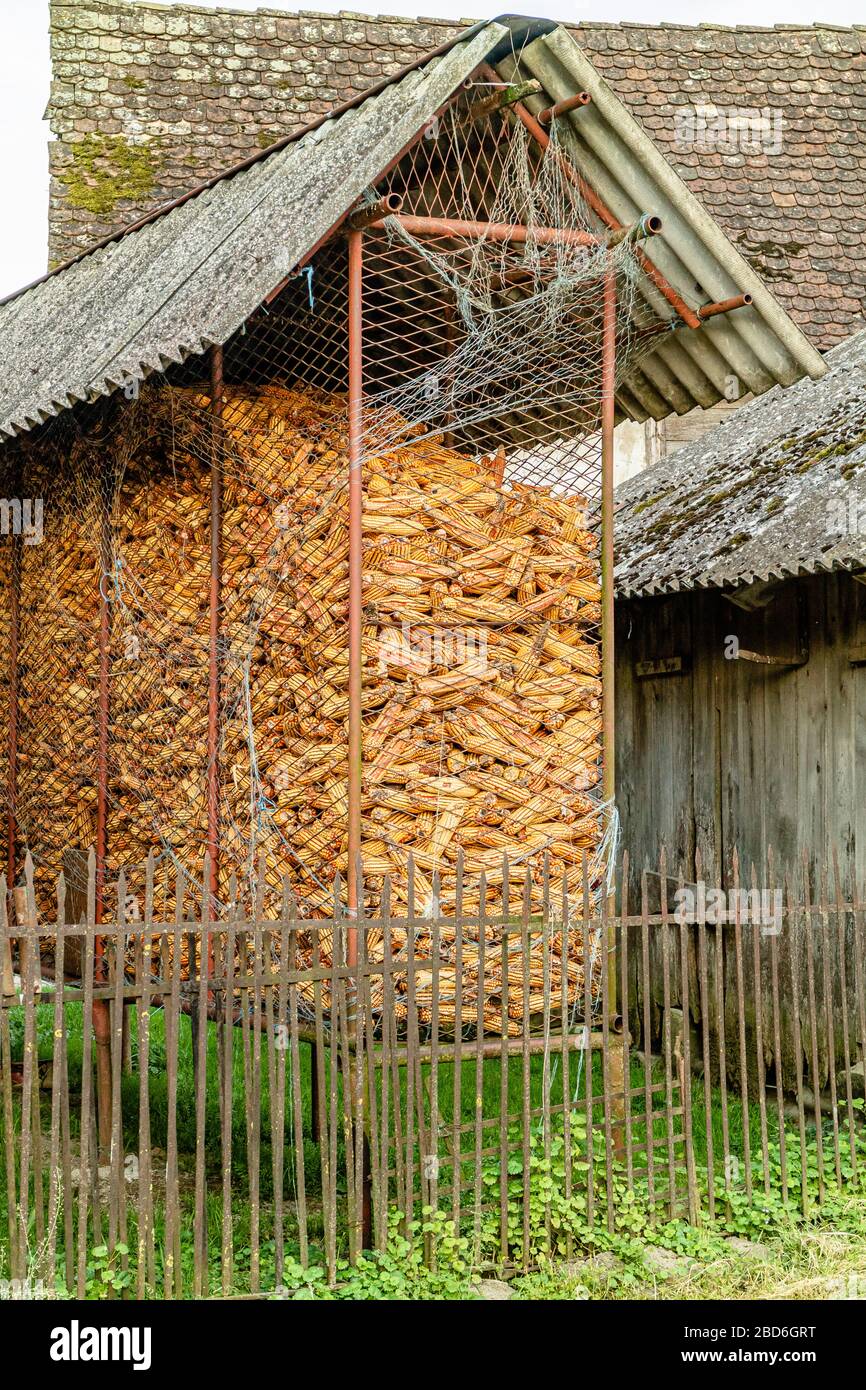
615	1060
562	108
213	708
608	420
101	1013
492	231
356	387
12	746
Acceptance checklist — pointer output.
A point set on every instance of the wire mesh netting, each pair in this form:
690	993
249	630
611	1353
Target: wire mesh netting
481	649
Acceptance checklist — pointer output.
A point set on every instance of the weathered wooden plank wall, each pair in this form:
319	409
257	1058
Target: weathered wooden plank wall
727	753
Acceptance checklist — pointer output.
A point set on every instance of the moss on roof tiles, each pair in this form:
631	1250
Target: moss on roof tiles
105	170
792	455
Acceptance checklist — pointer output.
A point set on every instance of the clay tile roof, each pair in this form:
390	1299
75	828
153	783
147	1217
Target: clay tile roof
190	273
795	203
198	89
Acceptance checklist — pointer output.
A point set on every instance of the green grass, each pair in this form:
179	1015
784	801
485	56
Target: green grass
636	1218
491	1106
186	1119
815	1262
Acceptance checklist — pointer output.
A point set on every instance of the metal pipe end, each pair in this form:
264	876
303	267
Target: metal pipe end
387	206
724	306
647	225
562	108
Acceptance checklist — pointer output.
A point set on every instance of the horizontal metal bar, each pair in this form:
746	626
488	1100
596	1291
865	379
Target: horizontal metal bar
562	108
494	231
505	95
724	306
647	225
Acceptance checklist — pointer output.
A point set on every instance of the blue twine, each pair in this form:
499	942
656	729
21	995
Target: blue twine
308	271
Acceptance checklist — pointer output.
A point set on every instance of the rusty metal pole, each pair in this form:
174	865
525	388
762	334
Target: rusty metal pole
614	1069
495	231
562	108
356	509
12	743
6	985
647	225
210	889
213	693
724	306
356	386
101	1011
388	206
608	383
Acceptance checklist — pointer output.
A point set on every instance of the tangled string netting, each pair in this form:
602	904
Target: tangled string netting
481	670
539	348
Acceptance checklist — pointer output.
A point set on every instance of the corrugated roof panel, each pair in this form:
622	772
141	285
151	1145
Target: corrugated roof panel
759	345
191	276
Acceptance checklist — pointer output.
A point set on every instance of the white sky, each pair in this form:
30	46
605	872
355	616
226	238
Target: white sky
25	78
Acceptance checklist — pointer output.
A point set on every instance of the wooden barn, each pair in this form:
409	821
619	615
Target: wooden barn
741	639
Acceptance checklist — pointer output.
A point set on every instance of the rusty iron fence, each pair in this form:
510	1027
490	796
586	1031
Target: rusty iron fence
272	1106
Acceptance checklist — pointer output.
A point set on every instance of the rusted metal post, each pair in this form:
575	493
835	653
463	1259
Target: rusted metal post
356	386
213	692
101	1010
355	866
12	745
608	387
12	748
647	225
614	1069
211	887
388	206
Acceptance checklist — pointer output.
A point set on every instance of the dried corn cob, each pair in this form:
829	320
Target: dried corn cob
481	693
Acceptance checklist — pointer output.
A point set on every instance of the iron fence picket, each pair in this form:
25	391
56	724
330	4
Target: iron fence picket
814	1053
391	1033
842	949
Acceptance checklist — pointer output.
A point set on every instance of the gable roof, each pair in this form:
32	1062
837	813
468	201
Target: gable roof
191	275
794	203
777	491
203	88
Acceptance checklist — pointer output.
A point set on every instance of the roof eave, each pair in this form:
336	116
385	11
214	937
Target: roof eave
760	346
